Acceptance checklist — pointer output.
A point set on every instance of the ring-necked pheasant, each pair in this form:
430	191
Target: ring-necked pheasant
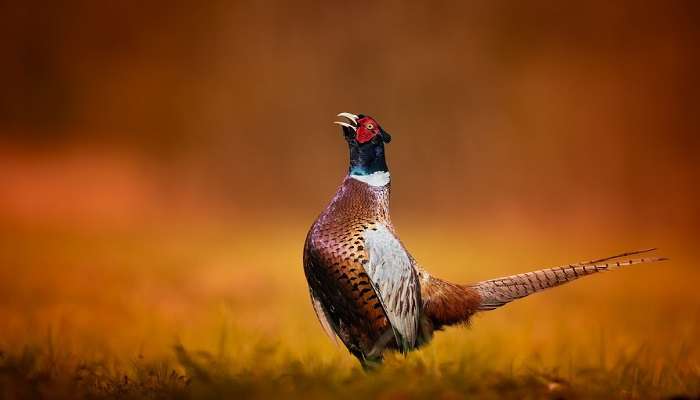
369	291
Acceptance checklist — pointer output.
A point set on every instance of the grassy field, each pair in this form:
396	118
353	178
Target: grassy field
222	311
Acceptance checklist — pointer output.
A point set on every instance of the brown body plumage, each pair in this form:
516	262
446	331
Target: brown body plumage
368	290
334	259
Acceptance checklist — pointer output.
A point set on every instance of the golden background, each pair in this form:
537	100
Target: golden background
161	163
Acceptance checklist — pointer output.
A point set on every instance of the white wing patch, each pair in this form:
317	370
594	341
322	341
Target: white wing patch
391	271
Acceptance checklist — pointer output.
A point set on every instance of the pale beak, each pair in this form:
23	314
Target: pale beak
346	125
351	117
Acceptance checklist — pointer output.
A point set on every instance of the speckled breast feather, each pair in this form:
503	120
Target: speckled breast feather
335	256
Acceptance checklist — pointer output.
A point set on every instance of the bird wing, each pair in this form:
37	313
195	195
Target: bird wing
394	278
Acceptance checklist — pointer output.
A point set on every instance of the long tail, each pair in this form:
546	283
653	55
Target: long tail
497	292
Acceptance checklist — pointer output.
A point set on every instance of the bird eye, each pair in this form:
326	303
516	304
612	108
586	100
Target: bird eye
369	126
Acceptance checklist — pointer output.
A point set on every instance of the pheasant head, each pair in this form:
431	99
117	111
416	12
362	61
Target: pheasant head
366	140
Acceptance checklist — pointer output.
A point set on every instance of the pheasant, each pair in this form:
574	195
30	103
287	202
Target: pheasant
366	288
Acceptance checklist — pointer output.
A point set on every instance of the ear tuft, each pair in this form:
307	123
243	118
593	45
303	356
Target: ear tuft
385	137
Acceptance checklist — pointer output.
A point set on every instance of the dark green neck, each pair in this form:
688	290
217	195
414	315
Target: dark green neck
367	158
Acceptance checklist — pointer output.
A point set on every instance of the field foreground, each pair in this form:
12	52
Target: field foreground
212	312
269	373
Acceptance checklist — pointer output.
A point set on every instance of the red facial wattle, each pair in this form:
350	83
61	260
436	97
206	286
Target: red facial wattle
367	129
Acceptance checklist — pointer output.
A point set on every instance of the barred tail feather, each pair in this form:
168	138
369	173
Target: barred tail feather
497	292
625	254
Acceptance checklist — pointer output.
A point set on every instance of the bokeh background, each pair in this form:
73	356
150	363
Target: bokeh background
161	162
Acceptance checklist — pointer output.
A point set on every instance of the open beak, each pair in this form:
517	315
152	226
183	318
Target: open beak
351	117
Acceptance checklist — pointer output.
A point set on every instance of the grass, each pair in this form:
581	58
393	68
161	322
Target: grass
34	373
214	312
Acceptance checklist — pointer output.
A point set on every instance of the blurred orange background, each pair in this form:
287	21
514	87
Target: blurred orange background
161	162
